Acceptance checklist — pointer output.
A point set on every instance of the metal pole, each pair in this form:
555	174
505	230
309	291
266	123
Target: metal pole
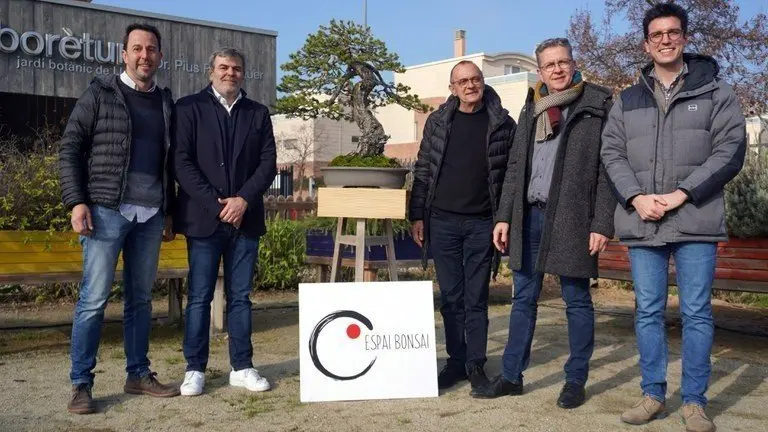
365	13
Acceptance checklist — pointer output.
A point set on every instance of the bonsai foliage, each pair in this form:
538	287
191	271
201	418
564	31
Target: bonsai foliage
356	160
746	199
337	75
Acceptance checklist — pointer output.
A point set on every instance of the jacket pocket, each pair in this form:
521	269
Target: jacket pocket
628	224
706	219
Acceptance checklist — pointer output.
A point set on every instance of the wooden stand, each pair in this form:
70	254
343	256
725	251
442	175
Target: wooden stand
360	241
361	204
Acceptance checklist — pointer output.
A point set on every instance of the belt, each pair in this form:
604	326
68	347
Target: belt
538	204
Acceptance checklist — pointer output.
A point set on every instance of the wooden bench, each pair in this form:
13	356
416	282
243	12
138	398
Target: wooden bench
742	265
39	257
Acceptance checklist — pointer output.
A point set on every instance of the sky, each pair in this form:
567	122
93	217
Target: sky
419	31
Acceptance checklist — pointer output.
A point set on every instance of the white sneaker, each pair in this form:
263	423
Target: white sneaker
248	378
193	384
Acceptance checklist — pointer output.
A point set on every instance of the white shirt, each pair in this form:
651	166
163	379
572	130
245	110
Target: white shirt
132	211
223	101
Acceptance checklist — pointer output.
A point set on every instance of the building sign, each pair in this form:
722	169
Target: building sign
82	54
373	340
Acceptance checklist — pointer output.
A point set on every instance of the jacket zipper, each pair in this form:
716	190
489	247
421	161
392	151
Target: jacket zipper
124	180
660	126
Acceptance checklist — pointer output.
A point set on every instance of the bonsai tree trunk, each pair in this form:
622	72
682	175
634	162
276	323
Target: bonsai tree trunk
373	137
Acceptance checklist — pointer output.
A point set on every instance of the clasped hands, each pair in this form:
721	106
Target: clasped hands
653	207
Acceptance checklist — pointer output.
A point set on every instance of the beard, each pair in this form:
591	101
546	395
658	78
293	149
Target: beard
144	72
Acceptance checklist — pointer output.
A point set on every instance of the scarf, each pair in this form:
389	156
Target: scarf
546	125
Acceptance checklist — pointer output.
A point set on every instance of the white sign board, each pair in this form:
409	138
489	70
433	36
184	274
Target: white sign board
367	340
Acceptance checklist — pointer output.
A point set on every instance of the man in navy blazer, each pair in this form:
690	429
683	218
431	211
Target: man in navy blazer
225	159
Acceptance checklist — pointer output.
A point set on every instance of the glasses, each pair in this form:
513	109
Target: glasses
672	35
562	64
464	81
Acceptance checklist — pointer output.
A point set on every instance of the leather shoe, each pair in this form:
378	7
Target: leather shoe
496	388
571	396
477	377
449	376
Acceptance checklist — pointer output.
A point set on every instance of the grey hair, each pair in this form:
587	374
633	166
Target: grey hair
228	53
554	42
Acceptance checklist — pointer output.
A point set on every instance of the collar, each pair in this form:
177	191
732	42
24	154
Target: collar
223	101
683	72
130	83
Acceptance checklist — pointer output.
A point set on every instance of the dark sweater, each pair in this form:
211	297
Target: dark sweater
227	122
145	169
462	186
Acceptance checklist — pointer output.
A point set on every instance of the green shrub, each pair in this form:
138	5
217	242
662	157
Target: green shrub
373	227
30	198
355	160
282	251
746	199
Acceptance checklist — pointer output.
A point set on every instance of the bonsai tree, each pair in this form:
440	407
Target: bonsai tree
337	75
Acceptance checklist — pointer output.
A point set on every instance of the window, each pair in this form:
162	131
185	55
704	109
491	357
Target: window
509	69
290	143
355	138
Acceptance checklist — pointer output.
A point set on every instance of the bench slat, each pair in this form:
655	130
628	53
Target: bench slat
68	257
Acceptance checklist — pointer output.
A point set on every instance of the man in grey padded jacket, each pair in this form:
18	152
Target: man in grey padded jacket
670	145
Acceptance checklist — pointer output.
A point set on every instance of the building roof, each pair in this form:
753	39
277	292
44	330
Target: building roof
133	12
481	55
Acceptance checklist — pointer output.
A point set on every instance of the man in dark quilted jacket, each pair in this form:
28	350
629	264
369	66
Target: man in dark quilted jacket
457	181
114	176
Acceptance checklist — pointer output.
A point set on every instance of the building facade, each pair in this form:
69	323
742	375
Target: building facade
51	49
510	74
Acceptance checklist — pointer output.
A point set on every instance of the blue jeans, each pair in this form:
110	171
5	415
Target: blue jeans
240	254
462	249
522	320
695	265
140	243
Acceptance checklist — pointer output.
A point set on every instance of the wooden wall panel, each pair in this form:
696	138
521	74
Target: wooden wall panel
183	41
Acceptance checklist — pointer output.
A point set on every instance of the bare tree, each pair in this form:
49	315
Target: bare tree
301	145
741	48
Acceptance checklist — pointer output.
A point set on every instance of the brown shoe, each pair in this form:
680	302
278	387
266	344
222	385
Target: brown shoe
643	411
82	400
696	420
148	385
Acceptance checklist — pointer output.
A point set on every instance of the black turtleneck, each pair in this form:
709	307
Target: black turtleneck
462	185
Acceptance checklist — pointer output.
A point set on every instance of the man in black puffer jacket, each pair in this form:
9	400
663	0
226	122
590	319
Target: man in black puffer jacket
456	188
114	176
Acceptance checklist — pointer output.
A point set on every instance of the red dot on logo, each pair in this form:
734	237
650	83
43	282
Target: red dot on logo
353	331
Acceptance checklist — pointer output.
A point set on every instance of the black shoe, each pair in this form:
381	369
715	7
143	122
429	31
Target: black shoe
571	396
496	388
449	376
477	377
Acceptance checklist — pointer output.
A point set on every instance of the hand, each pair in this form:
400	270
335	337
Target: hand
81	220
500	235
233	210
675	199
650	207
168	234
597	243
417	232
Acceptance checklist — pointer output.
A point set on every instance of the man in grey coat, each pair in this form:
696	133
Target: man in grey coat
555	215
671	144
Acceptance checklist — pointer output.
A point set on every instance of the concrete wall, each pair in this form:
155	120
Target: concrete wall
398	122
512	90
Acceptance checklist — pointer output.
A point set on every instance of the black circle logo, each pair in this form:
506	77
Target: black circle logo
353	331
